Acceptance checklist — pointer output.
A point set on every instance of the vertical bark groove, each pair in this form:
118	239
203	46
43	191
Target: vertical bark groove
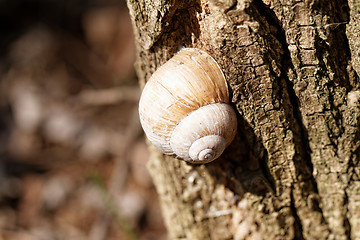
297	223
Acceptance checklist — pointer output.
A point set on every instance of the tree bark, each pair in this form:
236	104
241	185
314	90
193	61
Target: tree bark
292	171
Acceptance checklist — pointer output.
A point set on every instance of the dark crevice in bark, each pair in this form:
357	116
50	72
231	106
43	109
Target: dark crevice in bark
256	152
334	56
266	172
354	159
336	52
297	222
304	137
286	63
303	163
173	23
302	159
322	50
232	7
346	219
338	48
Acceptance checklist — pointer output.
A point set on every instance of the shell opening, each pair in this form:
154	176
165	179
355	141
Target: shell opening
207	149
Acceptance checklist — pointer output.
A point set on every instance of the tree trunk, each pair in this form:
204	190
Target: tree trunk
292	171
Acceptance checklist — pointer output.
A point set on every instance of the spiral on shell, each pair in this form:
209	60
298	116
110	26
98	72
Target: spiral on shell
184	108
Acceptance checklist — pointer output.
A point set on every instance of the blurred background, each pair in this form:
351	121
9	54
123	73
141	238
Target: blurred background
72	153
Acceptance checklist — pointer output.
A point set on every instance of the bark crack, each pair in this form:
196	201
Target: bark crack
297	222
346	219
286	63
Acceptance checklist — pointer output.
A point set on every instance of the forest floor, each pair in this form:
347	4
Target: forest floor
72	152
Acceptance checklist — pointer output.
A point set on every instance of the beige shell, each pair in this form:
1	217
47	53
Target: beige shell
184	108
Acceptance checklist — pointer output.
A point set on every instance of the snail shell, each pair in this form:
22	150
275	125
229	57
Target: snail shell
184	108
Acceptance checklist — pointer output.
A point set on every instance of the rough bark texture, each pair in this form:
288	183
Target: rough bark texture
293	170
